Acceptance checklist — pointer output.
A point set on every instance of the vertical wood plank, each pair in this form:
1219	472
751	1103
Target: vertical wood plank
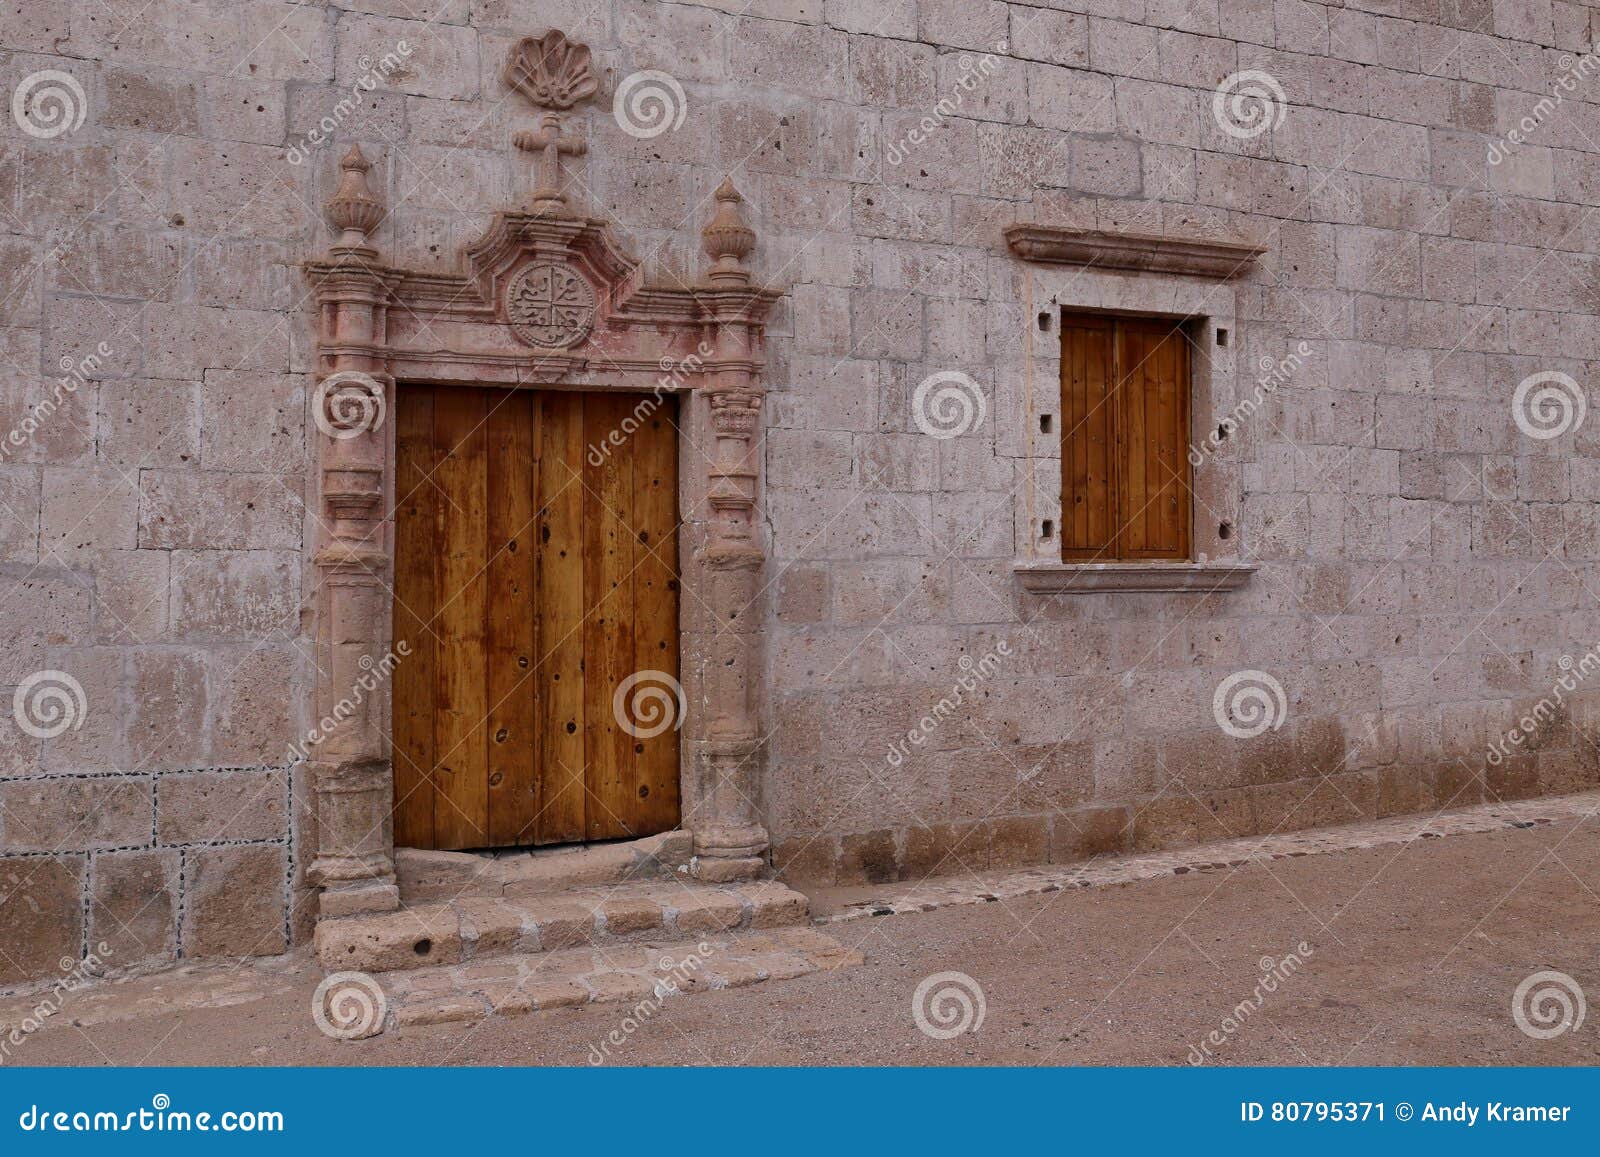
461	808
413	679
561	803
655	606
1175	448
1136	493
608	643
509	651
1088	514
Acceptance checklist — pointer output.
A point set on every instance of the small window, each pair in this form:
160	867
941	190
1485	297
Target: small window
1125	474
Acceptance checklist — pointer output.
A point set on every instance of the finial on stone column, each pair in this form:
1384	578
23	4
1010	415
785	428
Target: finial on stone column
728	240
353	209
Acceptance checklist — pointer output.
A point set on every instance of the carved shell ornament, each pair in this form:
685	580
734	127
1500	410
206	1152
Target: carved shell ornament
550	306
551	71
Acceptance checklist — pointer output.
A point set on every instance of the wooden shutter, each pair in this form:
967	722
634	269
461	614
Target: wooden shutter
1125	474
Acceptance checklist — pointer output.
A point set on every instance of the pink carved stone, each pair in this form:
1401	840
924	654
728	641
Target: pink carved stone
551	71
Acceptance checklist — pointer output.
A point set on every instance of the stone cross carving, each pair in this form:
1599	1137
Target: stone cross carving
554	73
547	141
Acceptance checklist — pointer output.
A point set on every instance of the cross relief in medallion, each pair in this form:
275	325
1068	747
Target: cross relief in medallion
549	305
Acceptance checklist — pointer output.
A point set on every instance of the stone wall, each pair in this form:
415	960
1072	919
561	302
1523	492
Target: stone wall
1422	561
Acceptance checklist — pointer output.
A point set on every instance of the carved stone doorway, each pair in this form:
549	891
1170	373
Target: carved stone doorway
546	297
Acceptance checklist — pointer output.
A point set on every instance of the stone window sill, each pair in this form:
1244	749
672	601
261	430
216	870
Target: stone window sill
1094	577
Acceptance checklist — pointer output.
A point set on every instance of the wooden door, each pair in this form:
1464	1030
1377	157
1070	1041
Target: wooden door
535	573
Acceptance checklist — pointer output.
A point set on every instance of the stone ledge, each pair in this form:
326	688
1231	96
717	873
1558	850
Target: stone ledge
655	972
475	927
1091	577
1220	257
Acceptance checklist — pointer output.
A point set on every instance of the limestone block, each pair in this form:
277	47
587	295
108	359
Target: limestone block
413	938
205	807
184	341
235	595
167	710
893	73
896	18
42	919
19	514
67	815
188	509
133	906
425	58
253	697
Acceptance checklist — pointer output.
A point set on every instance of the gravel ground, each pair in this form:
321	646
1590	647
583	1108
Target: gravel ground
1415	952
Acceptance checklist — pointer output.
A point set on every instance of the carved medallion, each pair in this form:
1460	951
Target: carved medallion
549	305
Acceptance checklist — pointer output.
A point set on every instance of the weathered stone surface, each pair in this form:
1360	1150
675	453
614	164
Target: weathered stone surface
1415	550
773	905
235	901
704	911
410	938
42	918
630	914
209	807
57	815
133	906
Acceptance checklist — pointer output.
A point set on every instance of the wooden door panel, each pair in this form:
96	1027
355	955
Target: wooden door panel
608	622
414	675
461	769
532	576
513	707
655	598
560	753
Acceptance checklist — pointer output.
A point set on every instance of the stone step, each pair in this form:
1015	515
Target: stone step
428	875
651	970
475	927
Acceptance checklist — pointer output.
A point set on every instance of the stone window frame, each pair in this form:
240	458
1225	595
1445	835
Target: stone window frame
1208	306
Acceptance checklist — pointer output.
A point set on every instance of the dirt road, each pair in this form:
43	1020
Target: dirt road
1410	955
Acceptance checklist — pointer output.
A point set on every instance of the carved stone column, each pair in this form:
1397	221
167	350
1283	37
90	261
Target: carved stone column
729	838
348	745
